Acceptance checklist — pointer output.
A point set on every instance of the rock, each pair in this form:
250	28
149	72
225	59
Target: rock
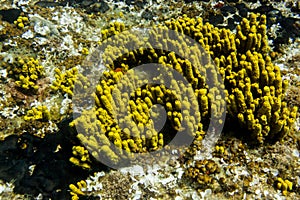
47	4
101	7
10	15
228	9
216	19
147	14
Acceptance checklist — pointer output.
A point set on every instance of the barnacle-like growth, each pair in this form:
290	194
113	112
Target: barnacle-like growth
26	71
201	172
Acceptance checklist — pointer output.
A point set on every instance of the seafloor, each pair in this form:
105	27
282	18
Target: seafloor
34	159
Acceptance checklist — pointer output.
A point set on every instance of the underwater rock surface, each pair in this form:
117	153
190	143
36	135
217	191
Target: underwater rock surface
45	46
47	158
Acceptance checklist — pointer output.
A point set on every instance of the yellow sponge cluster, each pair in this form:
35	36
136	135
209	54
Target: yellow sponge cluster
76	191
284	185
114	29
40	113
101	132
80	157
26	71
21	22
65	81
254	88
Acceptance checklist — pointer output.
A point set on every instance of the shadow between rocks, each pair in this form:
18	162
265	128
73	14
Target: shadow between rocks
52	173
